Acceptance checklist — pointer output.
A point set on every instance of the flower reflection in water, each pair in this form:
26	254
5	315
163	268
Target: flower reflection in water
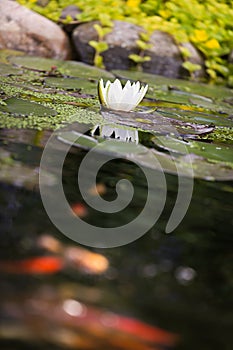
117	132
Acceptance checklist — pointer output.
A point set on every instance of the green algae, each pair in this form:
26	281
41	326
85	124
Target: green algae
65	115
31	101
220	135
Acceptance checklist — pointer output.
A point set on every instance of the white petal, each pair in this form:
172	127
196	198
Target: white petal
101	92
130	96
127	96
137	86
114	94
141	94
116	85
112	98
127	86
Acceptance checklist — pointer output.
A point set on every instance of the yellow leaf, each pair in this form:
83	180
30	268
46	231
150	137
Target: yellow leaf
212	44
200	35
133	3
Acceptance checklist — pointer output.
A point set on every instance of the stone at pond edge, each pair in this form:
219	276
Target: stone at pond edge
25	30
165	55
121	42
70	11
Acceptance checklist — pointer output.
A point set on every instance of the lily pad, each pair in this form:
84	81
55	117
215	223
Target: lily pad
207	99
20	107
6	53
68	68
210	151
177	85
89	86
155	122
64	83
7	69
196	116
201	168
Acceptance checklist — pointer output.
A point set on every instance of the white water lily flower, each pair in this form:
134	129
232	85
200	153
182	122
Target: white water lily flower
116	97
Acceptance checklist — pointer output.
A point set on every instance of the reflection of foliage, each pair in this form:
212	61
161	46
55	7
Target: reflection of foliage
207	24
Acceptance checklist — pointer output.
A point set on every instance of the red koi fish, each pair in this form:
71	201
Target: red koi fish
35	265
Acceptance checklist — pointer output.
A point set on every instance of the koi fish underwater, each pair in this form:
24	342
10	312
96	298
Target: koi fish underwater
48	317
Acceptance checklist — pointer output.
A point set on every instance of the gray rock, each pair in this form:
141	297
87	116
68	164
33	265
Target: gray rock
165	56
121	42
25	30
71	10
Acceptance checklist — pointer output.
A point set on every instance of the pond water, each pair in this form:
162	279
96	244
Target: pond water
161	291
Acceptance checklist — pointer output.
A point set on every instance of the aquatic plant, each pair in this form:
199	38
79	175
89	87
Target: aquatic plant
114	96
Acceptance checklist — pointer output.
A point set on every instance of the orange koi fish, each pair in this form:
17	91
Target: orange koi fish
35	265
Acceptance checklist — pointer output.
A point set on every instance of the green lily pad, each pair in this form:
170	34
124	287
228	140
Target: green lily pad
210	151
177	85
64	83
20	107
196	116
155	122
68	68
89	86
6	53
7	69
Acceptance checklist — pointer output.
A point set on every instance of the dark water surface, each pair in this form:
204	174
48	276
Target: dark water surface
181	282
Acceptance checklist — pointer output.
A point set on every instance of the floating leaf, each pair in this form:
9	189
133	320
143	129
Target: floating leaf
160	82
155	122
222	153
77	84
6	53
69	68
20	107
64	83
7	69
